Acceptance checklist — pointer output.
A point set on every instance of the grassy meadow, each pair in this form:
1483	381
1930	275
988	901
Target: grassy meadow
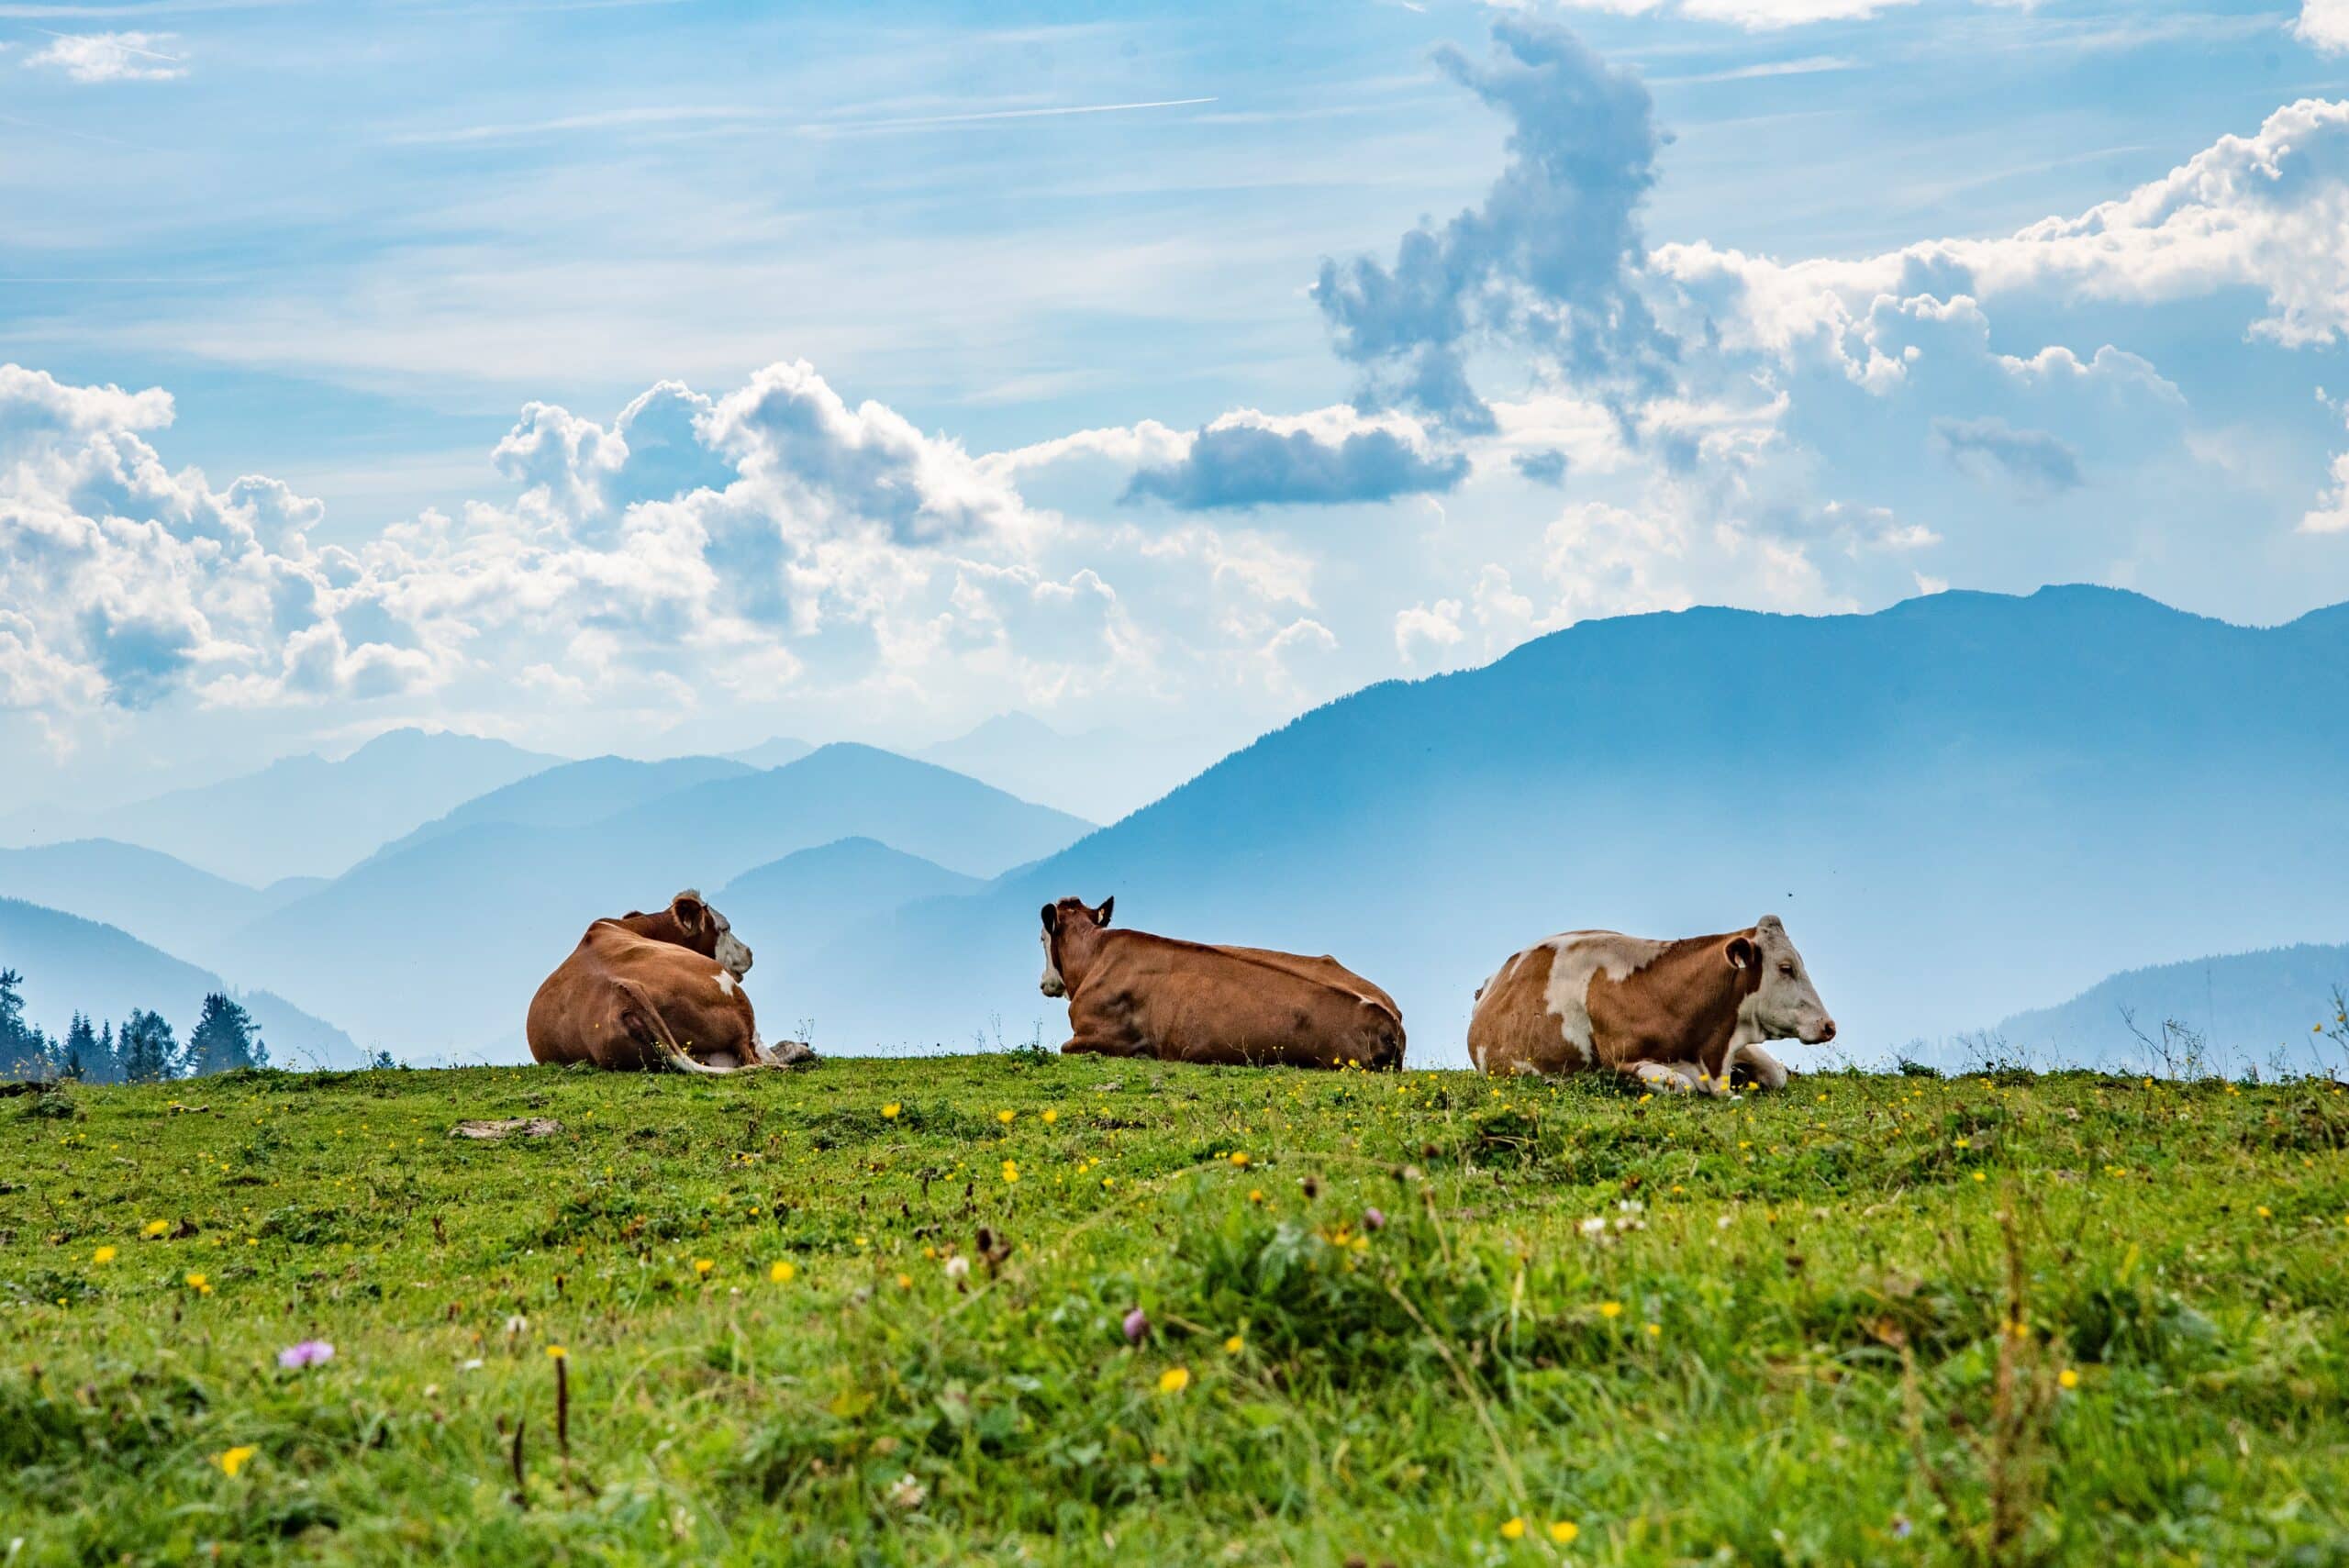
1020	1309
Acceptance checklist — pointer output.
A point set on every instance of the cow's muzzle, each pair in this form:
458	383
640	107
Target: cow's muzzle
1823	1034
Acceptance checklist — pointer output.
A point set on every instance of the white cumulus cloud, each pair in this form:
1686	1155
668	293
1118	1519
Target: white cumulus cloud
112	57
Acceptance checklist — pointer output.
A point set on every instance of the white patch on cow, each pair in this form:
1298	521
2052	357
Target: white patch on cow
1052	984
726	982
1575	956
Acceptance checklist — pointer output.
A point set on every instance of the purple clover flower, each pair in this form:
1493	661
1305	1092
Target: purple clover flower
309	1353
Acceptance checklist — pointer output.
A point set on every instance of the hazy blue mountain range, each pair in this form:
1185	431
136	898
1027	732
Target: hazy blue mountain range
1958	803
300	816
148	893
2248	1008
574	795
790	907
771	753
70	964
435	950
1099	775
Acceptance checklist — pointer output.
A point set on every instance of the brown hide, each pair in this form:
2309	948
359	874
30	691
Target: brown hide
1132	994
1676	1003
642	992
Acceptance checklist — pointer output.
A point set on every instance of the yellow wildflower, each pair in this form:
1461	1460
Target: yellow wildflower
1005	1117
1610	1309
556	1352
1240	1158
1234	1345
2068	1378
890	1110
784	1272
106	1255
703	1265
1514	1530
236	1458
1564	1531
199	1284
1174	1380
155	1228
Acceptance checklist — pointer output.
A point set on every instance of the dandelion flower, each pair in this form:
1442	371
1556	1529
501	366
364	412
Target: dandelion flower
2068	1378
889	1111
905	1282
236	1458
1610	1309
1564	1531
1174	1380
1655	1330
1011	1170
107	1254
1255	1195
1005	1117
1513	1530
784	1272
308	1353
1234	1345
703	1265
1240	1158
199	1284
155	1228
1050	1116
556	1353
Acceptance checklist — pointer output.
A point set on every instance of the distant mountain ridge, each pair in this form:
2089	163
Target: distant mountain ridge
159	900
301	816
2259	1008
574	795
71	965
1960	800
789	907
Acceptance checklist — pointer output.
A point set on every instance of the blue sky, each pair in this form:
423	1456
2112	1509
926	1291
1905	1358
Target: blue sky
1171	369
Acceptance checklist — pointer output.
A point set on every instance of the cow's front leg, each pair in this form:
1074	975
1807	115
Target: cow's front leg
1766	1070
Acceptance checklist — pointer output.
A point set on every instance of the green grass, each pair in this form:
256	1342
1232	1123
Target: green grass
1799	1348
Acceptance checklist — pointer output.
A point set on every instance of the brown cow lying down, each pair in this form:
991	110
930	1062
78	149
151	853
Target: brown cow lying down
1682	1015
1130	994
646	990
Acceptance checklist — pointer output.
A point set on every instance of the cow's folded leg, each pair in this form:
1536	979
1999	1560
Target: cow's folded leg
1765	1069
1673	1077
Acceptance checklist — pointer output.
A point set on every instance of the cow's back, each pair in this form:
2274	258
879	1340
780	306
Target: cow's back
1191	1002
1534	1015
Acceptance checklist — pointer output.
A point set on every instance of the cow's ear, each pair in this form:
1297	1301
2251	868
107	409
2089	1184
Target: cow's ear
1102	914
1742	953
689	910
1052	917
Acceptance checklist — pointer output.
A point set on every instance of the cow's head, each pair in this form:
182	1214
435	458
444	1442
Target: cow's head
1069	924
1779	997
708	933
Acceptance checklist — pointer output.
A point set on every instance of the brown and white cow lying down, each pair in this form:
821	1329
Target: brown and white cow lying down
647	991
1681	1014
1130	994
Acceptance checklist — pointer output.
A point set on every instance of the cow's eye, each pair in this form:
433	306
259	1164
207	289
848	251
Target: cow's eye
1786	969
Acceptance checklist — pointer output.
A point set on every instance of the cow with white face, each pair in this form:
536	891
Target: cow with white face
1680	1015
